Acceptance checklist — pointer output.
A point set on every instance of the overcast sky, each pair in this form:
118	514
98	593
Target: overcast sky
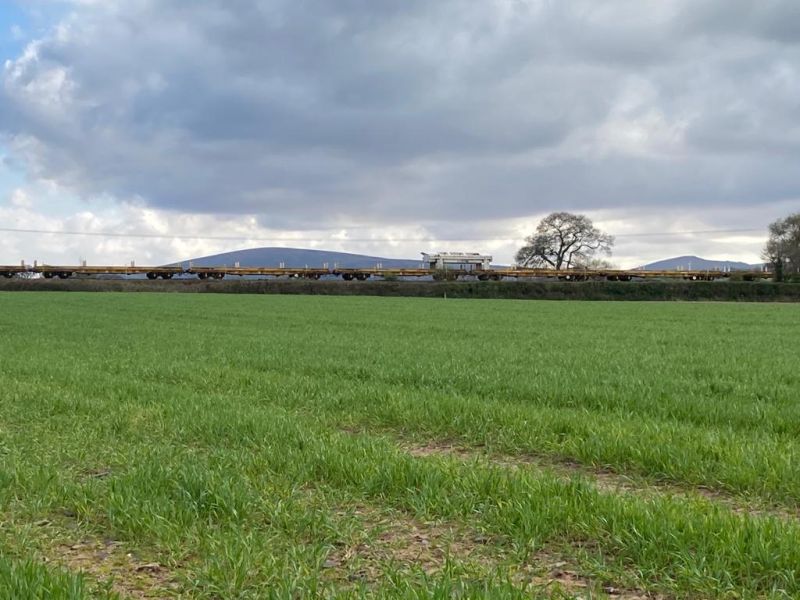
394	126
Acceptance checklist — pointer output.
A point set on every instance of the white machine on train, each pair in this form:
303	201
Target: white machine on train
462	261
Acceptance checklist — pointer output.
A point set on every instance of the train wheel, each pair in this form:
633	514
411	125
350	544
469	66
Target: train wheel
202	275
151	275
7	275
347	276
64	275
166	276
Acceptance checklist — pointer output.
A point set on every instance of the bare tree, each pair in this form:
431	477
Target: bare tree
783	247
562	241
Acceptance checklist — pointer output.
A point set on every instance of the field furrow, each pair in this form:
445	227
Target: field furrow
604	480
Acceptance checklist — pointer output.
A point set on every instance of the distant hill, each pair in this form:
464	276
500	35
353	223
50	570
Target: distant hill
301	257
298	257
695	263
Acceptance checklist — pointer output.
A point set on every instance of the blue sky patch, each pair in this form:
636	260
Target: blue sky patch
14	30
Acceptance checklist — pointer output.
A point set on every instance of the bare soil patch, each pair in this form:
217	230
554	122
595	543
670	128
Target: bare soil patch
397	541
111	563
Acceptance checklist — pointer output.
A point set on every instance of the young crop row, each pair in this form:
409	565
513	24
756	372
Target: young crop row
241	500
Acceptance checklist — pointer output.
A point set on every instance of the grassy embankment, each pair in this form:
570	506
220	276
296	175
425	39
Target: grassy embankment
245	446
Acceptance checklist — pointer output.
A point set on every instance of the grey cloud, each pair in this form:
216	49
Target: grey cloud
777	20
361	111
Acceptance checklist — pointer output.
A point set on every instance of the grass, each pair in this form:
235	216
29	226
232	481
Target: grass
247	447
28	580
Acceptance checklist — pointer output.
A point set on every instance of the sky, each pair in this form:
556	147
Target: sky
394	127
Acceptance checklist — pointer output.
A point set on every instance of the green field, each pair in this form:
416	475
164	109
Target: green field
219	446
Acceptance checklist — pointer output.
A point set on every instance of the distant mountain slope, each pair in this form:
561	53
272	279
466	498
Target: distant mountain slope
298	257
695	263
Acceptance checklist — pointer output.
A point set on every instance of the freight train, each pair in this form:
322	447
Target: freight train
441	266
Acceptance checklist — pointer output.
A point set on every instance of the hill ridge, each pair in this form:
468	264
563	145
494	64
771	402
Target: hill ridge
273	256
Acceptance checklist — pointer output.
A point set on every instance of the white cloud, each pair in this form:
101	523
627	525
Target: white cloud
215	234
20	199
